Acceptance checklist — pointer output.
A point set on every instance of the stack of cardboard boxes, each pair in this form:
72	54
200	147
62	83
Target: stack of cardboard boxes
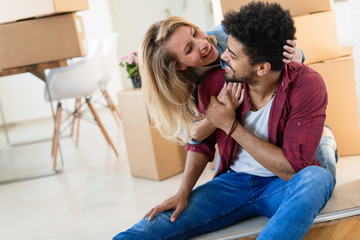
316	35
41	31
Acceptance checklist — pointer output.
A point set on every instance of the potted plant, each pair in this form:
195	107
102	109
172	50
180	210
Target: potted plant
131	65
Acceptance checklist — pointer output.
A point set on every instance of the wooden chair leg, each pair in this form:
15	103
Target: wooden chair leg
115	112
78	123
57	142
56	123
101	125
75	114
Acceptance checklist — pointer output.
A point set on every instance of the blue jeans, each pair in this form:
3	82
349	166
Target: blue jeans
231	197
327	154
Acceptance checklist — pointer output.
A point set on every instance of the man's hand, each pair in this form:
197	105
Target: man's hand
178	202
221	115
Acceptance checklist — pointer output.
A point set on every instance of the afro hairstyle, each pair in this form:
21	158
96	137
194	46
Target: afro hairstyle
262	28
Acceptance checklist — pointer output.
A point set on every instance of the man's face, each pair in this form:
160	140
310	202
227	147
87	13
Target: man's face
238	68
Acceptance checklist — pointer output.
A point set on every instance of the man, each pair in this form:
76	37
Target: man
267	147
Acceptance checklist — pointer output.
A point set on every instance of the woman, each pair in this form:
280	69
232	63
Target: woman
171	74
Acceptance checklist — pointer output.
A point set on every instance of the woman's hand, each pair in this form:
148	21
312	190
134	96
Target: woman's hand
292	53
235	92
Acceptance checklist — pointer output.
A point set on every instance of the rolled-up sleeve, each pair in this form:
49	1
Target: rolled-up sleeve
303	129
206	147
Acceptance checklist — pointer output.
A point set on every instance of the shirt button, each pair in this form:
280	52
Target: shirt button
299	123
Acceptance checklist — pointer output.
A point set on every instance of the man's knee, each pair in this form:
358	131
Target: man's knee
315	174
316	179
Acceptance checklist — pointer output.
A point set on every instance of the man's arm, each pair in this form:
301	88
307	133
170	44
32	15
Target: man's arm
204	128
195	165
268	155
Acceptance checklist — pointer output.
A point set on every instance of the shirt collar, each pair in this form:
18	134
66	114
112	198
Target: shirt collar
289	74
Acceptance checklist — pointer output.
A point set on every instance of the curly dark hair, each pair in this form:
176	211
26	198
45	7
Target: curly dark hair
263	29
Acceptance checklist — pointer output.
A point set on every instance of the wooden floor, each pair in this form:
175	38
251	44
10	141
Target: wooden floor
347	228
341	229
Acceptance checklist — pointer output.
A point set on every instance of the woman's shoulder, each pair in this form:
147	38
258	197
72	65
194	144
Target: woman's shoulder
221	37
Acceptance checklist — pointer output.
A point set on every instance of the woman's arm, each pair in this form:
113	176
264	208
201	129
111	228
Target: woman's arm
202	129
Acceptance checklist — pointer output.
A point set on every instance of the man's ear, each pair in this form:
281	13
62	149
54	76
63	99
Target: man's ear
263	68
180	66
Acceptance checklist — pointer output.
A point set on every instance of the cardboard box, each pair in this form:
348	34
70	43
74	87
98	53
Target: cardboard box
296	7
317	37
342	110
21	9
41	40
149	154
346	51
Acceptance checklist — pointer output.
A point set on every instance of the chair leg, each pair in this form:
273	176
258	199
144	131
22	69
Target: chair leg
115	112
102	128
75	115
56	123
56	140
78	123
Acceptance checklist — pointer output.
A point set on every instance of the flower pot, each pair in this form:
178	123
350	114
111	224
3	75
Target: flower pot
136	81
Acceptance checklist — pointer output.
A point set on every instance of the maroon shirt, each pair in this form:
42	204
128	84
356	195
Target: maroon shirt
296	119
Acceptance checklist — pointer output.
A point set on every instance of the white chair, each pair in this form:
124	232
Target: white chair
77	80
109	65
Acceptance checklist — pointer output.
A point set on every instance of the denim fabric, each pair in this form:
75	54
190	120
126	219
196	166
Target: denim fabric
192	141
327	154
232	197
221	39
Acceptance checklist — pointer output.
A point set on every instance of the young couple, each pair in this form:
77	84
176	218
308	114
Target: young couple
265	113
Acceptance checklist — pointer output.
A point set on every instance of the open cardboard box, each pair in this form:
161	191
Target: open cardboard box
149	154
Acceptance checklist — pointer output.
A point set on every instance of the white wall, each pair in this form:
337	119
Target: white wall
343	22
354	9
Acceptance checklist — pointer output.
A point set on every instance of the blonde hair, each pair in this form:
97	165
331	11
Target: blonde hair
167	91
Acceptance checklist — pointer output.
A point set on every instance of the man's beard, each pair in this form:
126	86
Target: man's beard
248	79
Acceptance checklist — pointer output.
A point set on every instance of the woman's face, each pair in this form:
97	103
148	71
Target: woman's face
192	47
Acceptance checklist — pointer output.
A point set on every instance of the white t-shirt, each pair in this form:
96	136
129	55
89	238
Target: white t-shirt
258	124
